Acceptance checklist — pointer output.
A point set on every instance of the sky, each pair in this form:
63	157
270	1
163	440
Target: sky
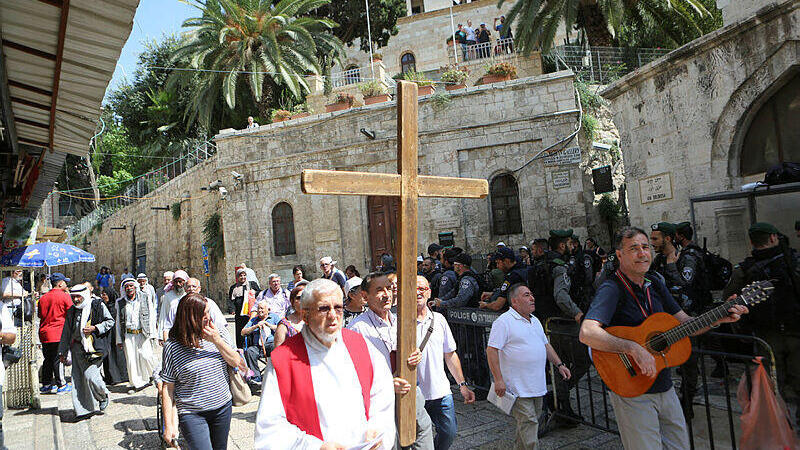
153	19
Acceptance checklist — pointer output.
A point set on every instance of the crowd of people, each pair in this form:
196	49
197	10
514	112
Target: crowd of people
312	347
475	42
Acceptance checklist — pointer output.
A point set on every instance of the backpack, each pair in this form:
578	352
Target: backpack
782	173
718	269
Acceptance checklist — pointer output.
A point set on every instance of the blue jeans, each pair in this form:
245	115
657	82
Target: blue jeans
443	416
206	430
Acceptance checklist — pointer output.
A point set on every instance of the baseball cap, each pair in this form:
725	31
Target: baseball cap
501	244
463	258
434	248
352	283
55	277
505	253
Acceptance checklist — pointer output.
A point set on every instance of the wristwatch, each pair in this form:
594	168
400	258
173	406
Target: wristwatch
463	383
560	364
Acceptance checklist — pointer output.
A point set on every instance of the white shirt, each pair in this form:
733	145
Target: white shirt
431	378
278	301
12	287
522	352
381	334
339	401
6	326
163	311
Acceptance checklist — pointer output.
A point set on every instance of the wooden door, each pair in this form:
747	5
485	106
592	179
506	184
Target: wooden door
382	213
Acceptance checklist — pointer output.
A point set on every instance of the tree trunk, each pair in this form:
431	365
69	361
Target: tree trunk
591	19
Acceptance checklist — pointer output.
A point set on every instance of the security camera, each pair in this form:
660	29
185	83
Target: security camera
223	193
215	184
237	176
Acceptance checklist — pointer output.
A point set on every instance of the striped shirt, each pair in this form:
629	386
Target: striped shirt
200	376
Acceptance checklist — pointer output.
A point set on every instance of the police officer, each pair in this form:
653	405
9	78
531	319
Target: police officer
580	273
693	271
435	252
515	272
565	339
468	291
448	282
433	274
777	321
539	248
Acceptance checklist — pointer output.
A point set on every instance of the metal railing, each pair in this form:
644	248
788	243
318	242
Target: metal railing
141	186
349	76
486	51
603	65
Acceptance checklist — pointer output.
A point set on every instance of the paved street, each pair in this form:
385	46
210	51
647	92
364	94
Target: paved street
130	422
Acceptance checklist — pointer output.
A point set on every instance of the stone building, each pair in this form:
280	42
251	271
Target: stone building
269	224
712	116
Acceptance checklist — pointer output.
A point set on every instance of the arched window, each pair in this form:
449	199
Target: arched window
408	63
352	74
283	229
773	135
506	217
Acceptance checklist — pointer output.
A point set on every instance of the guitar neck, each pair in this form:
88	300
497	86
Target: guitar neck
698	323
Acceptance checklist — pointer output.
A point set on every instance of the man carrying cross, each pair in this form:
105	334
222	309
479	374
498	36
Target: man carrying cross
408	186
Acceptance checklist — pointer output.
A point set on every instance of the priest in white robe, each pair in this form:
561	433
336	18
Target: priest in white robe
325	387
133	334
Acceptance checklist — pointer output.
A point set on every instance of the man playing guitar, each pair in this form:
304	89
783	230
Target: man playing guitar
653	420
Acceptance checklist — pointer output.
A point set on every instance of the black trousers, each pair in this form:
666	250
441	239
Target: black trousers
241	321
52	369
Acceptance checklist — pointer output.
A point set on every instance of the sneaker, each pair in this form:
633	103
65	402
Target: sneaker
104	404
45	389
64	389
53	389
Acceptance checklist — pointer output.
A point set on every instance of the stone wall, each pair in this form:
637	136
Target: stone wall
685	115
735	10
170	244
479	132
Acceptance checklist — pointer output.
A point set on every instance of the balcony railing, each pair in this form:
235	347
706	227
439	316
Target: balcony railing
487	51
349	76
604	64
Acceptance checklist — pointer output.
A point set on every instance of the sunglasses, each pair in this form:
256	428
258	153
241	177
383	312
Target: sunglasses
325	309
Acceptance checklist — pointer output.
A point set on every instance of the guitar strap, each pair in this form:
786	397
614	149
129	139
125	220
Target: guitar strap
633	295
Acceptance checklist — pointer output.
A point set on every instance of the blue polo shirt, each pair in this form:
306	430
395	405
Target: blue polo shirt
613	306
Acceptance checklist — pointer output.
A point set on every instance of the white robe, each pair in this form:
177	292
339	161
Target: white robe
339	401
139	356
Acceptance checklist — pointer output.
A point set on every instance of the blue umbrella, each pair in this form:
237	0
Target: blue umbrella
46	254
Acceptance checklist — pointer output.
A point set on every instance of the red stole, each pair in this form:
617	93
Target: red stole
293	372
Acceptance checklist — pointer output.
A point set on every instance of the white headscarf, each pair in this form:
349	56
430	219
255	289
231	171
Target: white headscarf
85	309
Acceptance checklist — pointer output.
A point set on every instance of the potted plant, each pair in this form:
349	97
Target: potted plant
343	100
373	92
499	72
454	77
300	110
424	83
279	115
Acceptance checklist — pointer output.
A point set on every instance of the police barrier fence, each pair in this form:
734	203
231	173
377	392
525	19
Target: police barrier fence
714	406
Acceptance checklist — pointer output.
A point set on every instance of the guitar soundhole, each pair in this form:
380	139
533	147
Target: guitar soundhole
657	343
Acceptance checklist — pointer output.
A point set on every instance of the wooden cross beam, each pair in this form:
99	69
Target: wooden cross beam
407	185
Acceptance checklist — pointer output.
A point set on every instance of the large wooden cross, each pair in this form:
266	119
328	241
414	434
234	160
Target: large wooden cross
409	186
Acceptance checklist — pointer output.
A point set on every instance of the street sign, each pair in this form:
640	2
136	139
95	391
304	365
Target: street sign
205	259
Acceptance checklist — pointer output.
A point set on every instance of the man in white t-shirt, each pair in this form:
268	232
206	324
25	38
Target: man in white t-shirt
438	349
8	334
12	289
517	353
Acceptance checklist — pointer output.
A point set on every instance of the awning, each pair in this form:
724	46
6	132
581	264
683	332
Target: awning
49	234
58	57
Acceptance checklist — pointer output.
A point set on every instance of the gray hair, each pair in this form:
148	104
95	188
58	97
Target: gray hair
272	276
316	287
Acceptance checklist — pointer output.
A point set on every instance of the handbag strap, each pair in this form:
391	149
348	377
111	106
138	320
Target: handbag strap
427	334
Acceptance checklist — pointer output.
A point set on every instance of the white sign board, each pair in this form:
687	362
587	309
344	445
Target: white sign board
565	157
656	188
561	179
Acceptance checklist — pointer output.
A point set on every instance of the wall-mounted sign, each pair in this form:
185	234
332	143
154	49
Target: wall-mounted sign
601	179
565	157
656	188
561	179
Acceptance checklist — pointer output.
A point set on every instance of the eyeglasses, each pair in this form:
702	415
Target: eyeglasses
325	309
423	289
324	265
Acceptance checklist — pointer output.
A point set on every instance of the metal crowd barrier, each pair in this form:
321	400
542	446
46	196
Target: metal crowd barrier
22	380
716	409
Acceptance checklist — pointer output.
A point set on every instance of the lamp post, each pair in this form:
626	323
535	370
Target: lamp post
369	36
453	32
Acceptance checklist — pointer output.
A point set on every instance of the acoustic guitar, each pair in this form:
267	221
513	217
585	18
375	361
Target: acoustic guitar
667	339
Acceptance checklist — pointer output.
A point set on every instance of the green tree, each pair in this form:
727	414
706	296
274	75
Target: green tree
351	15
255	46
535	22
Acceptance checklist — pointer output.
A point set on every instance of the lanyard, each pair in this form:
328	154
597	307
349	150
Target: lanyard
635	298
389	345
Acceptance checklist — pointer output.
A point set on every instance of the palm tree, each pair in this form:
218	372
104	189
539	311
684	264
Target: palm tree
537	20
255	46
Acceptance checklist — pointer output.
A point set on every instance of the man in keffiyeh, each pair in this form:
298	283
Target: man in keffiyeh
133	333
172	291
86	332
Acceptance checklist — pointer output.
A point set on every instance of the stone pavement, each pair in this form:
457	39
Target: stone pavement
130	422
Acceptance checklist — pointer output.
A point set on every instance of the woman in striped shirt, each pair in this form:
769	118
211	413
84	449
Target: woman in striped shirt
195	373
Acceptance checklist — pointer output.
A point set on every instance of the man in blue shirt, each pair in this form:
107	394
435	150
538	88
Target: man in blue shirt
259	346
653	420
